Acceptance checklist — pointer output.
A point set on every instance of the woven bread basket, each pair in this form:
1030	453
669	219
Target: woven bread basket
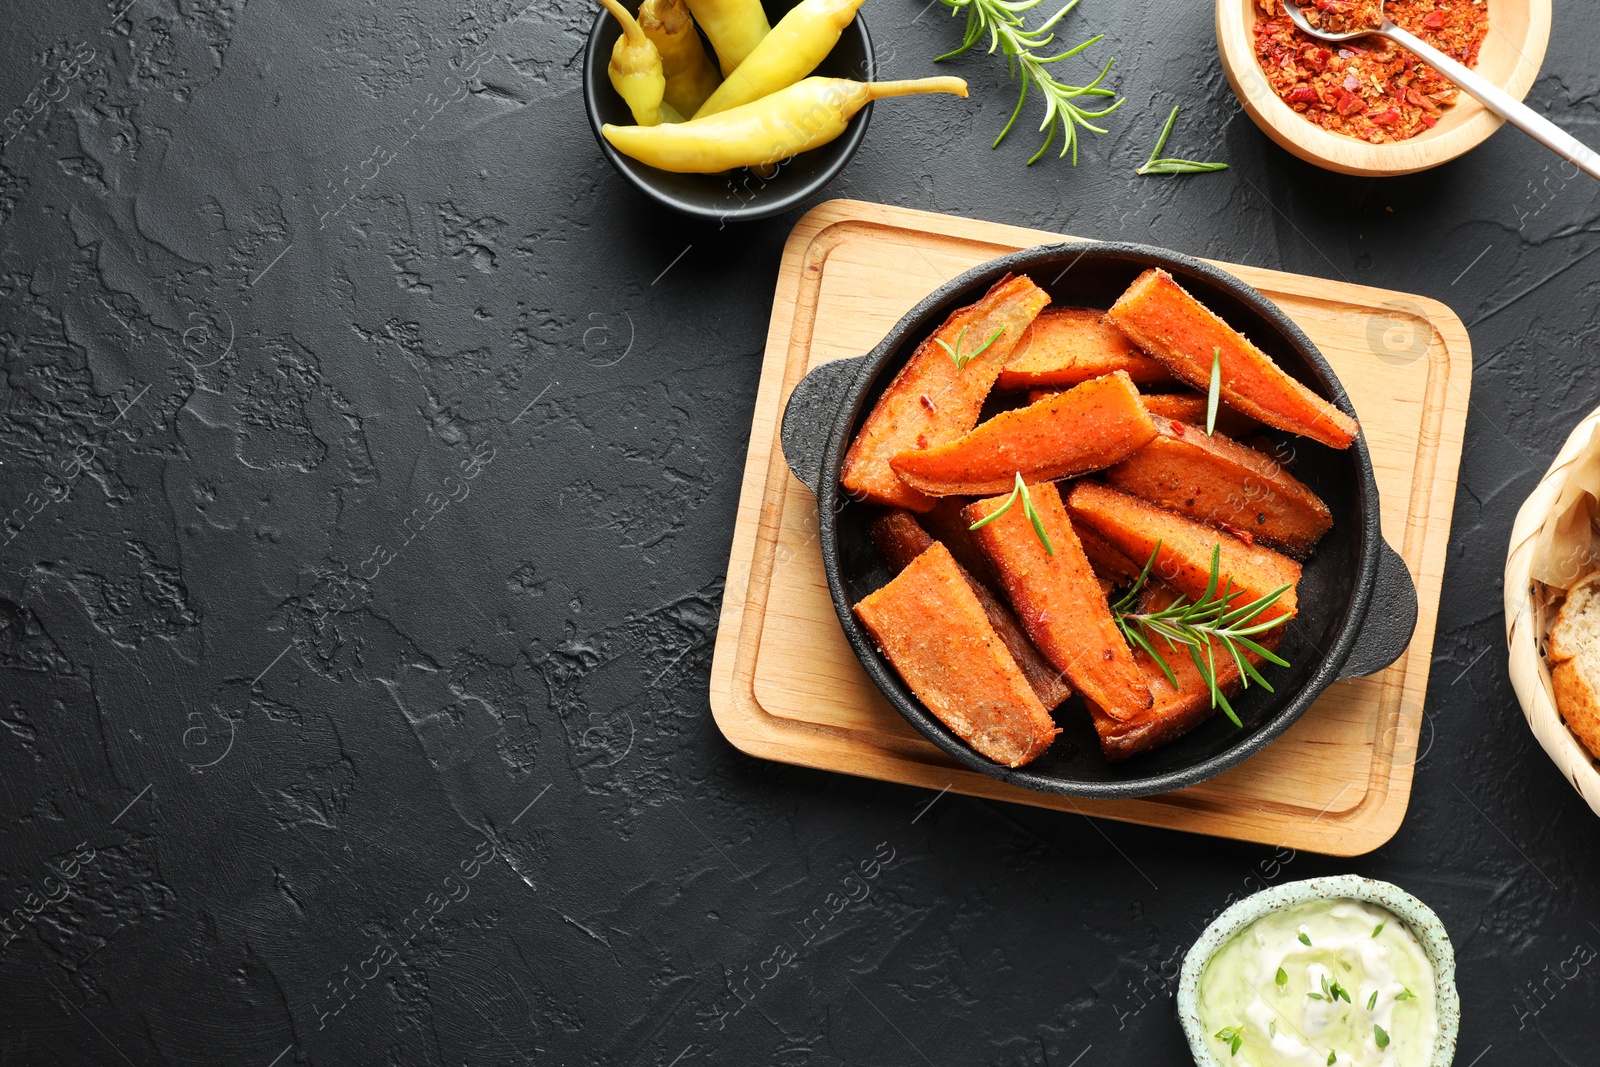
1531	608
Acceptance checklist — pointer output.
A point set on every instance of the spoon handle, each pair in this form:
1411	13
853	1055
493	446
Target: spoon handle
1499	101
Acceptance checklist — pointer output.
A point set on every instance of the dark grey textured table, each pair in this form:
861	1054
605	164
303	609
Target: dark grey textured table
376	457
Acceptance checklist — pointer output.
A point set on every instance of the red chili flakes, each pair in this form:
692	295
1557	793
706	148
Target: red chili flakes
928	403
1344	16
1372	90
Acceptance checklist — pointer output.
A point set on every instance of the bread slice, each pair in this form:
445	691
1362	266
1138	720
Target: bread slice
1575	662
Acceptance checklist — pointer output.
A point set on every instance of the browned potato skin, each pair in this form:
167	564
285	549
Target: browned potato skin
901	539
1214	480
929	625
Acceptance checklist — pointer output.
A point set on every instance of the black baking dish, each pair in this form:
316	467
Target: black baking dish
1358	606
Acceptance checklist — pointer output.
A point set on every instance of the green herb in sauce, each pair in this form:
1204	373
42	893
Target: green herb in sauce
1324	982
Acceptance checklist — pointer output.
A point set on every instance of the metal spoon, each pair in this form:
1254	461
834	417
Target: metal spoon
1492	96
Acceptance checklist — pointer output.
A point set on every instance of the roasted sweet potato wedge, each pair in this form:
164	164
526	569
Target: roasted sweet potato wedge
1221	482
1181	407
1175	328
931	401
901	539
1068	346
929	625
1135	527
1087	428
1191	408
1060	601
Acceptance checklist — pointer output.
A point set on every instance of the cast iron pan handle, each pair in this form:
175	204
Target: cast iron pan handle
808	417
1391	617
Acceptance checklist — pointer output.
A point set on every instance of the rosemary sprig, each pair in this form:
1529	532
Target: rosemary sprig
1214	391
1001	21
1199	626
963	358
1157	165
1019	492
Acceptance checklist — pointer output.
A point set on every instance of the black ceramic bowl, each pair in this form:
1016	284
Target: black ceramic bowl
1357	606
737	194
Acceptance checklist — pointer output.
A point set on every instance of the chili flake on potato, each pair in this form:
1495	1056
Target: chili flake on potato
1370	89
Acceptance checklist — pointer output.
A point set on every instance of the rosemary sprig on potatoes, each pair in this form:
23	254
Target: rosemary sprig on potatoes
1198	626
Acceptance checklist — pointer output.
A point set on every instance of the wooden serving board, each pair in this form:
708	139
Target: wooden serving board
786	686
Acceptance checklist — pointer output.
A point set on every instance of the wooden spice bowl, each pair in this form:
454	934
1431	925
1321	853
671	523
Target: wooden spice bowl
1530	609
1519	31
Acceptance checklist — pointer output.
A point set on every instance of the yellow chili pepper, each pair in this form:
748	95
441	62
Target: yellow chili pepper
805	115
734	26
635	70
691	76
801	39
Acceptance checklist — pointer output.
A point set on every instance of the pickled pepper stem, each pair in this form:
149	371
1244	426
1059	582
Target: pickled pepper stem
914	86
630	25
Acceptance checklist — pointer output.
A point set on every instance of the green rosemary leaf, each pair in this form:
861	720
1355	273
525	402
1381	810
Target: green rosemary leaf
1156	164
996	513
963	358
1140	640
1254	675
1201	626
1372	1001
1166	131
1216	572
1305	939
981	349
1376	930
1214	391
1179	166
1265	653
1033	516
1019	492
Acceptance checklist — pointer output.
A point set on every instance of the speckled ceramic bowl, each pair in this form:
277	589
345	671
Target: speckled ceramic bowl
1427	927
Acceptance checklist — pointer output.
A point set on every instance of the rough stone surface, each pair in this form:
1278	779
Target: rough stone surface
379	485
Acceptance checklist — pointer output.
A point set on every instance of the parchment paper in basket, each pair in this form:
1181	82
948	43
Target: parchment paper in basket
1567	547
